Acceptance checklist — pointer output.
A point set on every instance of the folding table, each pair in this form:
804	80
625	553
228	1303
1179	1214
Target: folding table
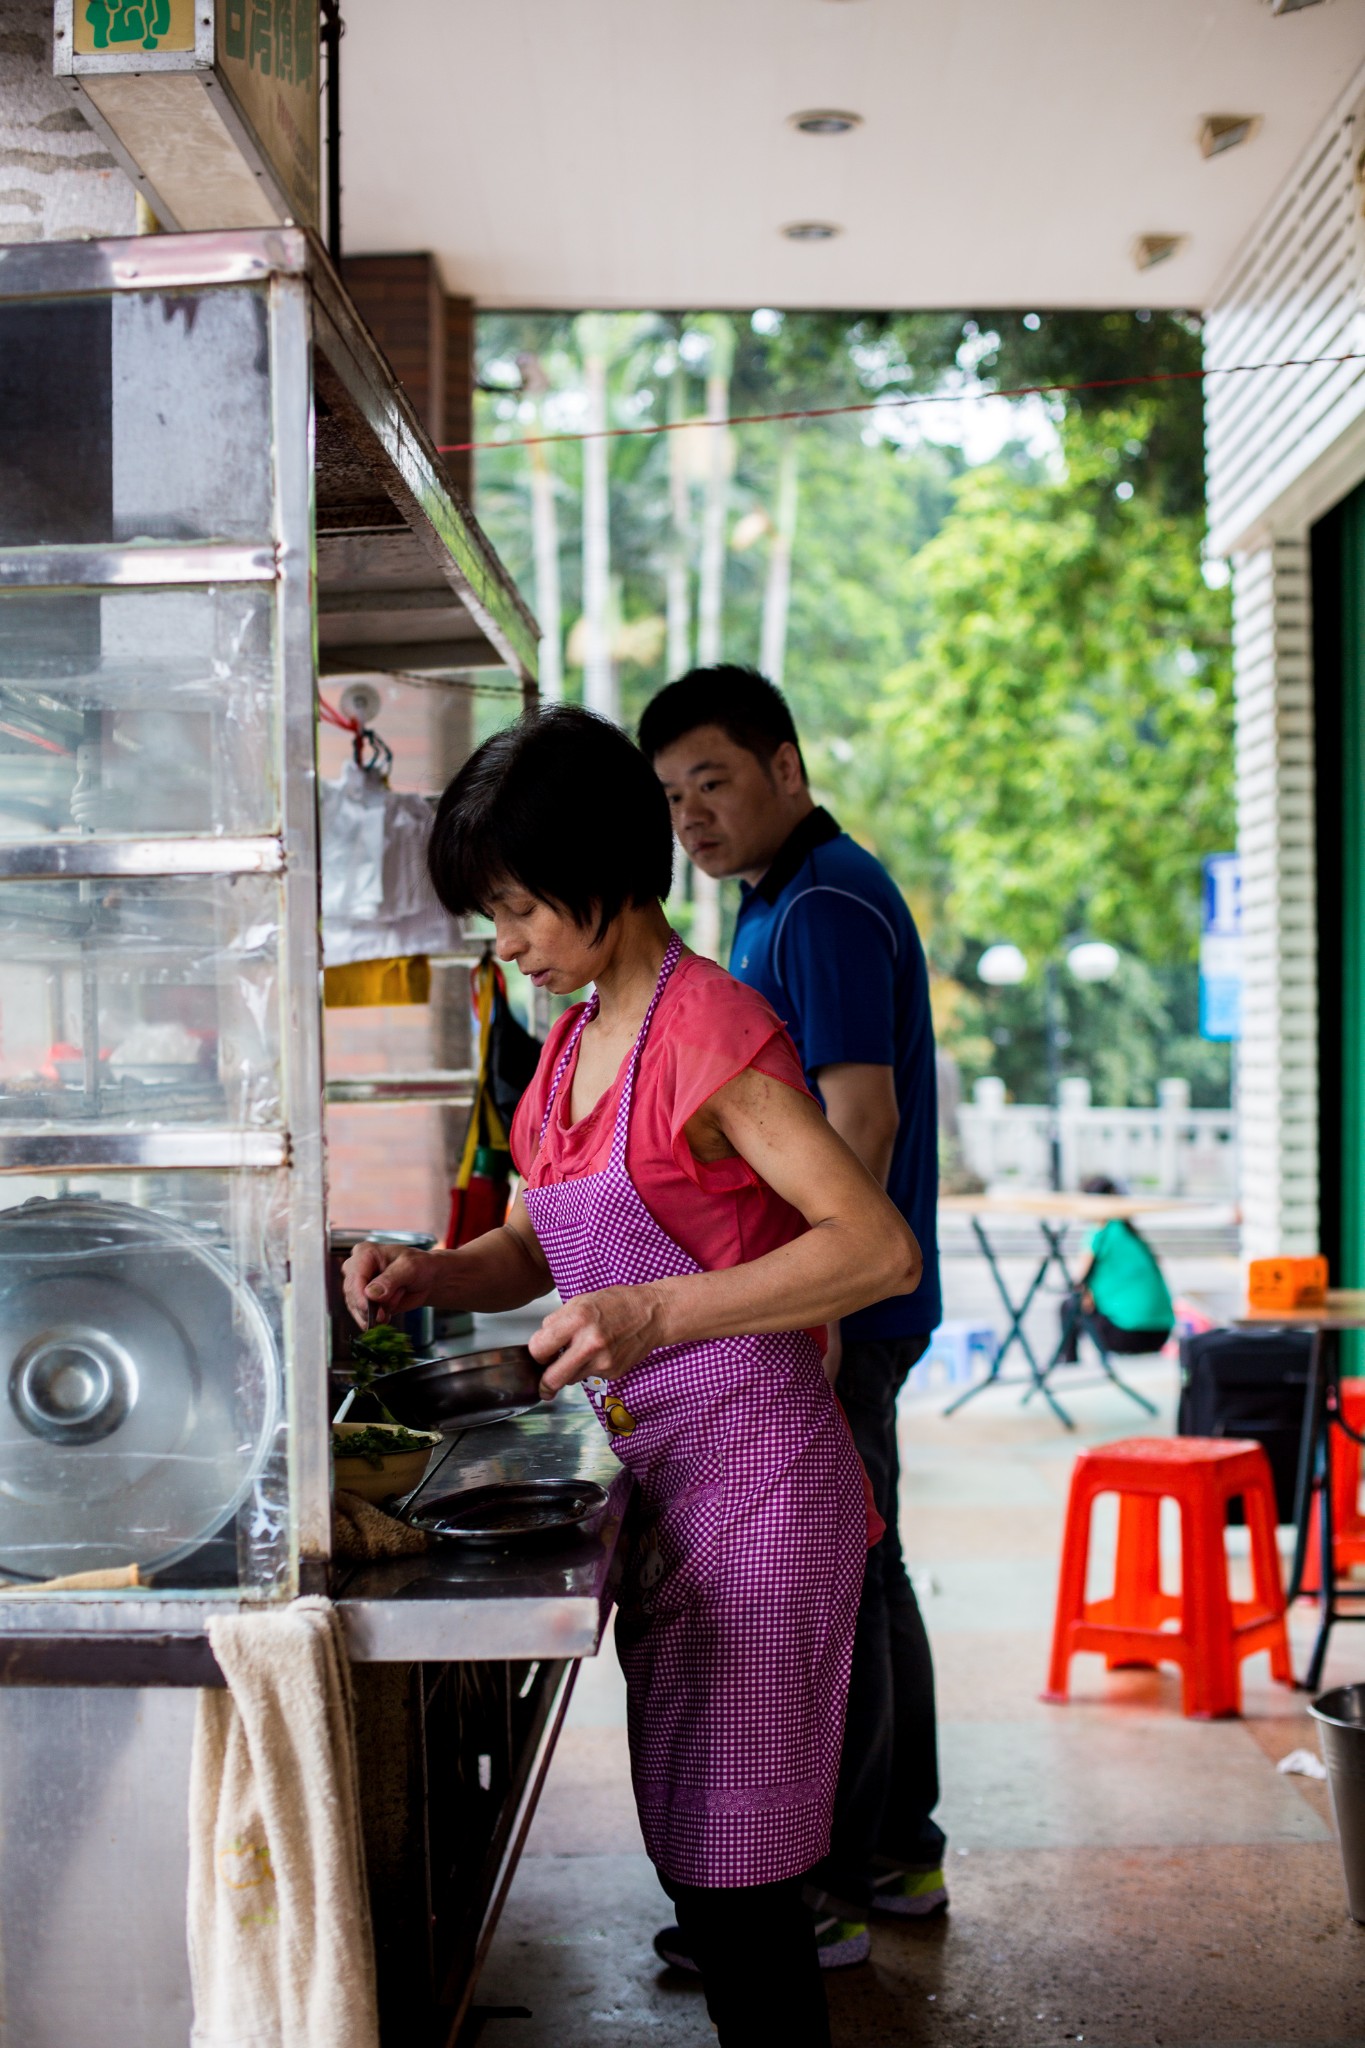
1054	1213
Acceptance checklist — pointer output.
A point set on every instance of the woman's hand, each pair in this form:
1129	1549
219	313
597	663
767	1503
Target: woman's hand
387	1280
605	1333
505	1268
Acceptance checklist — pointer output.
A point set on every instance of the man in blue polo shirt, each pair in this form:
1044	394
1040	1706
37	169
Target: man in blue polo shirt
824	933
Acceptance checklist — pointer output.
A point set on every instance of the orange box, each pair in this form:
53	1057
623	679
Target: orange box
1287	1282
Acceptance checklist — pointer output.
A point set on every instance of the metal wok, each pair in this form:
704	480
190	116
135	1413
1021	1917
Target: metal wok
450	1394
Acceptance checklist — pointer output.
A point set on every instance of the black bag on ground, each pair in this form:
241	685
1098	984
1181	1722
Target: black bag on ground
1249	1383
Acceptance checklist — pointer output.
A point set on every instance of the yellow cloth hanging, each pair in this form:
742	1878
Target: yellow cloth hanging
485	1125
362	983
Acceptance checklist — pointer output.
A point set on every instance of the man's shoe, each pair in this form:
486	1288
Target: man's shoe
910	1894
839	1944
671	1947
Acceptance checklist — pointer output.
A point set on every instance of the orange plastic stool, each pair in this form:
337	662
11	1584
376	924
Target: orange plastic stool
1348	1523
1213	1632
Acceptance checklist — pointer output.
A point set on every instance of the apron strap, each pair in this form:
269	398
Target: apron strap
672	956
619	1136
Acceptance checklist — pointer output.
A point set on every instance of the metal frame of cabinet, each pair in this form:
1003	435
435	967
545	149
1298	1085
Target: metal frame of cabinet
403	576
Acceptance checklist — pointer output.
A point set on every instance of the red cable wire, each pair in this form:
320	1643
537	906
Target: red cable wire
826	412
17	732
331	716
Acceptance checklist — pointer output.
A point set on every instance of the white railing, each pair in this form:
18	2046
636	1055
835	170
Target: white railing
1167	1150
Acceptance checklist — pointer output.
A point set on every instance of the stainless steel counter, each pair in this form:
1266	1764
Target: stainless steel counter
461	1603
454	1604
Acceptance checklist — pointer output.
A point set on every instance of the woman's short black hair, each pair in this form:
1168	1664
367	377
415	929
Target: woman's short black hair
565	806
749	710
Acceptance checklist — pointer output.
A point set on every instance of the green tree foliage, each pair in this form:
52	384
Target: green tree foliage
1064	720
1013	680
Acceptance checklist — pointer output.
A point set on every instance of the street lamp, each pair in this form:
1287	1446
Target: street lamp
1004	966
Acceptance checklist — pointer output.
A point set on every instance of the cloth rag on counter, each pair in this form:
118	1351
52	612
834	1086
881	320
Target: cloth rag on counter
360	1530
280	1944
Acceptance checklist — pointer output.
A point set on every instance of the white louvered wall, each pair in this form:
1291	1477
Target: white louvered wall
1278	1070
1281	445
1296	293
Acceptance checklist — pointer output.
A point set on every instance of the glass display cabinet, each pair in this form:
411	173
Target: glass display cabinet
200	452
211	493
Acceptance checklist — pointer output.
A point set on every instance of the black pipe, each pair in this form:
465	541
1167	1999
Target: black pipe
332	30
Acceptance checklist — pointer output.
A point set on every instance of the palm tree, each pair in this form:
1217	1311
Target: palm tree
778	583
677	573
600	693
544	538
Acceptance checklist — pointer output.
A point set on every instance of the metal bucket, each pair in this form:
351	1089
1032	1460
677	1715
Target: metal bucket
418	1322
1340	1715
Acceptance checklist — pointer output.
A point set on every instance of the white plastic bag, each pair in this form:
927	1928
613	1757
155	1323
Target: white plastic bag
377	899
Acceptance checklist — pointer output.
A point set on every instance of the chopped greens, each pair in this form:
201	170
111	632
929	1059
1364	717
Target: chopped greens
377	1443
380	1350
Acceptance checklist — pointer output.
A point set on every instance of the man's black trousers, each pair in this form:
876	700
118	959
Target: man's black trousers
888	1776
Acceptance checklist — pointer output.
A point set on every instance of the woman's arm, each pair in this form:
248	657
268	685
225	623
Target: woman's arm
505	1268
858	1249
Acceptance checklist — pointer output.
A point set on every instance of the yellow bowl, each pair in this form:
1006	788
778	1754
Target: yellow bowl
397	1473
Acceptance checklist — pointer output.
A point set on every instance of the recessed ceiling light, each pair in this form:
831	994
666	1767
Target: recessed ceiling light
1149	250
811	231
825	121
1226	131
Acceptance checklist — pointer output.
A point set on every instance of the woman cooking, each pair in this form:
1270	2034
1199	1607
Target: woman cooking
701	1221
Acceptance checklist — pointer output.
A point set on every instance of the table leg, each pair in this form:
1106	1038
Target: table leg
1315	1473
1015	1334
1055	1236
1303	1485
1312	1678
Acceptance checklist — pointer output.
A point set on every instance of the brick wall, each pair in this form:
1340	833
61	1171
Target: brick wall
428	336
401	302
459	407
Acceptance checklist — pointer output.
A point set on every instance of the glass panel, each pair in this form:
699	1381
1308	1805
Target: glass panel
141	1402
145	1003
142	416
137	712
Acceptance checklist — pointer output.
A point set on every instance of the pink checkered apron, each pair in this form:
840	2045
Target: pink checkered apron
736	1622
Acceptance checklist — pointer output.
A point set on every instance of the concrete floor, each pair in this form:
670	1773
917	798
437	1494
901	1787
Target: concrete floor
1119	1875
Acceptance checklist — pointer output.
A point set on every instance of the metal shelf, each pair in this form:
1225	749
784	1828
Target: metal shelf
82	1150
455	1088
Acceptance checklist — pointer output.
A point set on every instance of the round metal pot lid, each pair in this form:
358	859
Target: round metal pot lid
139	1388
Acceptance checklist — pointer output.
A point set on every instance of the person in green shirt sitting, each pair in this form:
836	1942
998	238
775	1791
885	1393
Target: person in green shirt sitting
1123	1302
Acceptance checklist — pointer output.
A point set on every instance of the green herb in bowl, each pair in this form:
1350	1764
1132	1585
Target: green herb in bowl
377	1459
375	1441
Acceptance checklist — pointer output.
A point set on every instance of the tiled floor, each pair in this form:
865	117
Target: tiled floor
1119	1875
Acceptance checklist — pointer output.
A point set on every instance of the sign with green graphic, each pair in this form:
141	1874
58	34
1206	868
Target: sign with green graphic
131	25
268	57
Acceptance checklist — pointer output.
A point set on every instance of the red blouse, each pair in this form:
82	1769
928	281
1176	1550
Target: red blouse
707	1028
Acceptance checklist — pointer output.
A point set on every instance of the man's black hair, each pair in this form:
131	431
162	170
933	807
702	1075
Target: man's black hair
749	710
562	805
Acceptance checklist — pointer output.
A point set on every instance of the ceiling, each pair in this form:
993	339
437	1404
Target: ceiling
637	152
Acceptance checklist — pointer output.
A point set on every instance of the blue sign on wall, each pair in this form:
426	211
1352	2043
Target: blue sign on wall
1220	948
